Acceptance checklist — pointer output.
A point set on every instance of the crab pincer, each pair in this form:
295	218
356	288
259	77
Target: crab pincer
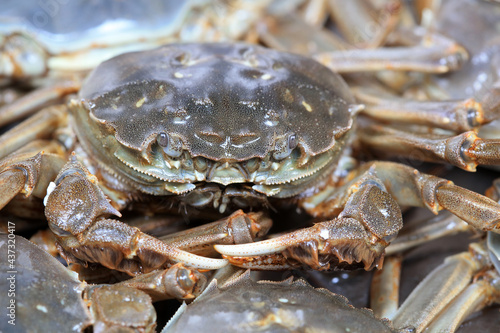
355	239
76	209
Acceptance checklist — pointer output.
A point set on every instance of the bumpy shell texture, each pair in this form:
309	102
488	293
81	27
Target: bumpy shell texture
225	101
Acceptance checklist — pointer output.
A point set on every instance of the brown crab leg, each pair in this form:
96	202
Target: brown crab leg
178	282
384	290
443	55
315	13
459	116
445	224
465	151
295	35
417	58
369	220
33	101
76	209
237	228
29	170
287	34
441	287
39	126
476	297
412	188
360	23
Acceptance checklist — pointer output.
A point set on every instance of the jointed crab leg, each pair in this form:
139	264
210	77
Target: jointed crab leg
417	58
76	208
442	57
363	25
465	151
460	116
178	282
237	228
29	170
442	286
33	101
39	126
384	291
409	187
369	219
283	33
445	224
412	188
474	298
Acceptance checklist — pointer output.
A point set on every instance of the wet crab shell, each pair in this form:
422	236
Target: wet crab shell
242	305
151	116
225	101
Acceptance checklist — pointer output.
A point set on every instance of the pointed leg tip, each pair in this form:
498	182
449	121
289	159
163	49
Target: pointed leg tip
251	249
209	263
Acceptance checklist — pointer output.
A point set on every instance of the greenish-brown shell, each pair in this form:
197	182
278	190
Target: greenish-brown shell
224	101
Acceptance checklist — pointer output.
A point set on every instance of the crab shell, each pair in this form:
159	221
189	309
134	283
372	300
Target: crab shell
217	113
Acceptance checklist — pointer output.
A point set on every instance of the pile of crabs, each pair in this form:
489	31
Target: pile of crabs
243	141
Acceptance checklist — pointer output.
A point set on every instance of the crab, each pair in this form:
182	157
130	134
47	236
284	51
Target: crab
267	306
42	290
348	197
162	130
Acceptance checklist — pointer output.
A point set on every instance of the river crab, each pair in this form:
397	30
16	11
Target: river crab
225	126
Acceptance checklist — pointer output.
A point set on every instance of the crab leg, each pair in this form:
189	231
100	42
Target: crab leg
452	115
444	224
417	58
442	287
411	188
33	101
369	220
315	13
39	126
29	170
76	209
359	23
474	298
283	34
178	282
443	56
384	291
465	151
235	229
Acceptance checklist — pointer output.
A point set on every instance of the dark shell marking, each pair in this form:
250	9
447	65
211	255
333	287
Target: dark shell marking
225	101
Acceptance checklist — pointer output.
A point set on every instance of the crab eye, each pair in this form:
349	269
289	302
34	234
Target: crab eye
292	142
284	146
162	139
172	146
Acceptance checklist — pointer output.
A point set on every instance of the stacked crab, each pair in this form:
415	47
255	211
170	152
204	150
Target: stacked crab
237	133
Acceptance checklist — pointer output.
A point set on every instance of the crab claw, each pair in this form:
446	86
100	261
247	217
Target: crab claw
340	243
118	246
76	209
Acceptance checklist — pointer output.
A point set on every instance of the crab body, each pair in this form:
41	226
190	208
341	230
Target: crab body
191	127
184	116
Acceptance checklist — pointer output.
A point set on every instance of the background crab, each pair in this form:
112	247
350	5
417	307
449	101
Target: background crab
432	138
